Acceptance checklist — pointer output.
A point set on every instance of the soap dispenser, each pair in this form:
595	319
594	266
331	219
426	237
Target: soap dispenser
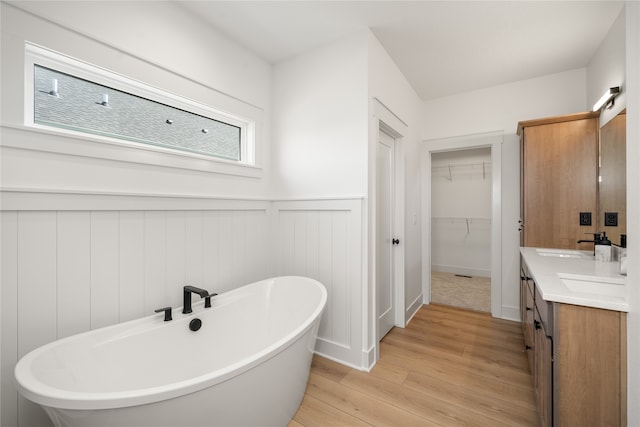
603	248
623	254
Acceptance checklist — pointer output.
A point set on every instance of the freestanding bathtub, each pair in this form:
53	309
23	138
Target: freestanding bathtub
246	366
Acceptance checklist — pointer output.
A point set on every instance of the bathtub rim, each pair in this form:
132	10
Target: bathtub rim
45	395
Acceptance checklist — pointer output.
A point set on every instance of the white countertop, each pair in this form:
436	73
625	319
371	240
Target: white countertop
545	271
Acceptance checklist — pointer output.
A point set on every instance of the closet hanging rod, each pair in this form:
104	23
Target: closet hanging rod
455	219
461	165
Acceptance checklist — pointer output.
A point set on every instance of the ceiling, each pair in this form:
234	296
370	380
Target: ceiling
442	47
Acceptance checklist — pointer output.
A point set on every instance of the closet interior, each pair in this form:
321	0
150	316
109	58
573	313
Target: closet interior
461	188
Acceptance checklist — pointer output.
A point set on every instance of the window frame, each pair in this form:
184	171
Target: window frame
140	152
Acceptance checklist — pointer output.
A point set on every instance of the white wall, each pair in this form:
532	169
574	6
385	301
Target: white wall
75	227
322	132
606	69
502	107
499	109
633	207
320	122
390	87
157	43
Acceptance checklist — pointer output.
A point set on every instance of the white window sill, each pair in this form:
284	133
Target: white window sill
40	138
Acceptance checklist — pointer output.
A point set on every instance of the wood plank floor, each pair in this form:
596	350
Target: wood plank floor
449	367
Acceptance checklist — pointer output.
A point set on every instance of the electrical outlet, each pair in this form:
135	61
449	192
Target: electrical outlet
611	219
585	218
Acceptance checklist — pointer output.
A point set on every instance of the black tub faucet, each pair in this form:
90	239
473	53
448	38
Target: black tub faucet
187	291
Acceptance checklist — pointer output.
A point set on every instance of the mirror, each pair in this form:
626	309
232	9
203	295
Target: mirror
612	187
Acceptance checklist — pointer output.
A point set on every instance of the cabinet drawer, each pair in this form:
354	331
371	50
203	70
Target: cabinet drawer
545	309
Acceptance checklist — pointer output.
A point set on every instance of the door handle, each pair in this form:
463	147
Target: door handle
395	241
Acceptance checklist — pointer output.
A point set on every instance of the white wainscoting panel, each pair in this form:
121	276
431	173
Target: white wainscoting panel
9	313
103	259
68	271
323	239
74	272
105	269
131	253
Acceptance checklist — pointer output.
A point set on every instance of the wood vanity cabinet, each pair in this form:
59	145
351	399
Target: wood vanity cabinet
559	180
579	360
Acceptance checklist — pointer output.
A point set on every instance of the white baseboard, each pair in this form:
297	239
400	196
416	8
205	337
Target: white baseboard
412	309
510	313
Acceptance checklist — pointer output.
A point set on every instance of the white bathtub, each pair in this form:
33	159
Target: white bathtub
247	366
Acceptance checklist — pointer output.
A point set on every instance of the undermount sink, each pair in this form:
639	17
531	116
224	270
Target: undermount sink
562	253
609	286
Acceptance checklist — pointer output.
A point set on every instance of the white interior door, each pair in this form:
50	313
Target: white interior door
385	290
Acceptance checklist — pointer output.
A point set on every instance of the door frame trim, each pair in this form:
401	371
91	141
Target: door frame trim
385	119
494	141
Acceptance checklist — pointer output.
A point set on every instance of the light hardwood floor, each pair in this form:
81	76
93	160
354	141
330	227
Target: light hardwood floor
449	367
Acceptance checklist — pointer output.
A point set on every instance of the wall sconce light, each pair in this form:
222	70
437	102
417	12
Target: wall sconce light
607	100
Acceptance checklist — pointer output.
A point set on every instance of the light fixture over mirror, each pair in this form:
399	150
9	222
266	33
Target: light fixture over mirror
607	99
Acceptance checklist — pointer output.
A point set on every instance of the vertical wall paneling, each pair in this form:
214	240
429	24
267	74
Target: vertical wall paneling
9	313
324	240
194	250
225	250
341	295
37	312
286	236
155	260
241	267
36	297
312	244
73	272
92	265
131	261
324	270
301	244
105	287
256	252
175	253
210	253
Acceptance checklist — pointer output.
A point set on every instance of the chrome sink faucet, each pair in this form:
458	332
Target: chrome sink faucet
188	290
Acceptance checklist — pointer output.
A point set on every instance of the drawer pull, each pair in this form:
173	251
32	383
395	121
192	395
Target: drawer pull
529	308
537	324
528	347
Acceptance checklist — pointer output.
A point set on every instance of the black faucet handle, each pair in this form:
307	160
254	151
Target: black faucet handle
167	313
207	300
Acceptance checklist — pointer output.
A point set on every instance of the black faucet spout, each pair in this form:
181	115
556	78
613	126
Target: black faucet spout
186	293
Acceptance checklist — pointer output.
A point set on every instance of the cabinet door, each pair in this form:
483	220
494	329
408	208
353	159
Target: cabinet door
543	373
559	180
589	362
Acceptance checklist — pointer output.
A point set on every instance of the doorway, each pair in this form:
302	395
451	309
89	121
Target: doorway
492	141
461	201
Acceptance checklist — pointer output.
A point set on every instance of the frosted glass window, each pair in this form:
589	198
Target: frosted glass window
68	102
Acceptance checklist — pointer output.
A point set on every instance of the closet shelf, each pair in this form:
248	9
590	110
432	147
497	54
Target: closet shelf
461	170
